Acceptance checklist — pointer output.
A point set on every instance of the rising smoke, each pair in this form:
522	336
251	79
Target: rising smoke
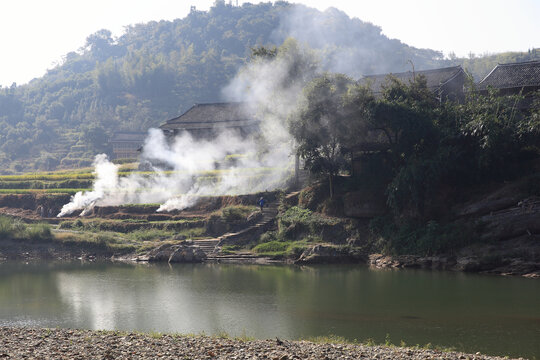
267	87
349	45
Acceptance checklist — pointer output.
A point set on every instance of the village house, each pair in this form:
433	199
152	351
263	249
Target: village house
445	83
513	79
125	144
205	121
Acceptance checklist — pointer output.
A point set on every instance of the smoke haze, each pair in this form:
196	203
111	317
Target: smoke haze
349	45
267	88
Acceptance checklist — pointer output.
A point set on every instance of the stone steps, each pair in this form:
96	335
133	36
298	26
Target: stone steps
233	258
207	245
211	246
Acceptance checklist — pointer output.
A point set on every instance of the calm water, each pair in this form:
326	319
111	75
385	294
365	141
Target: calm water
493	315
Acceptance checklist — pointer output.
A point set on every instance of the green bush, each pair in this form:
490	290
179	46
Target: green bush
296	223
268	236
229	249
281	248
38	232
15	229
7	228
65	224
236	212
420	238
272	247
295	215
149	235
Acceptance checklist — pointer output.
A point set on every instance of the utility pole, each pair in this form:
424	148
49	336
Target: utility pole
413	73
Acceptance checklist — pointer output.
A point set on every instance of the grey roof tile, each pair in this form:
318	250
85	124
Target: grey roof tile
213	115
434	78
512	75
128	136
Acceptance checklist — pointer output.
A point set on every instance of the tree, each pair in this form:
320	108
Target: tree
99	44
321	129
96	136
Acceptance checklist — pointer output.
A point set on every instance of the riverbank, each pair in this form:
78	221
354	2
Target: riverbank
505	260
17	343
226	230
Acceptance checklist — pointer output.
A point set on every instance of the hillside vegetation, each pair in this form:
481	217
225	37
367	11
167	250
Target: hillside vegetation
156	71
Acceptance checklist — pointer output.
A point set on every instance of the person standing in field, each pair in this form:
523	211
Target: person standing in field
262	201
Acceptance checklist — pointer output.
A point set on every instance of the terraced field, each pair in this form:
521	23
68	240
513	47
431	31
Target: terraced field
38	197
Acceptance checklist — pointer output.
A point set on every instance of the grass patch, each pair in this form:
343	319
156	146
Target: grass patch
38	232
10	228
230	249
330	339
41	191
194	233
236	212
14	229
104	242
148	229
47	176
281	248
336	339
272	247
45	184
149	235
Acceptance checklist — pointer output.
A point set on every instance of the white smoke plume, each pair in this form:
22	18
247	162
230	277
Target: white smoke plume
350	45
272	89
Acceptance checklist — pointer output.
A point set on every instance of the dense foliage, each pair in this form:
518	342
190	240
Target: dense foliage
157	70
430	152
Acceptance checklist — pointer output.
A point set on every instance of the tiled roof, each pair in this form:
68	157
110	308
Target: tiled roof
214	115
128	136
434	78
512	75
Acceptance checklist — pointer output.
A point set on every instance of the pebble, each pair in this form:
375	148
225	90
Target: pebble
15	343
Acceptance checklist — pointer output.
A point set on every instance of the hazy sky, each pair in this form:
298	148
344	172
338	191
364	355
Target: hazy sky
34	34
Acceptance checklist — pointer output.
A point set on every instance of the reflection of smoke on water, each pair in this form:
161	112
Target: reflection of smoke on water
265	87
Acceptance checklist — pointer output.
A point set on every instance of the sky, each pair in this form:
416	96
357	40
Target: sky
35	34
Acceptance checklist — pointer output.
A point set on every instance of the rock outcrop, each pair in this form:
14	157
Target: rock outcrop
519	256
328	254
182	253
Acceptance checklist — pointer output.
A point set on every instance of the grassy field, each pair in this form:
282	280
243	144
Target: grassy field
41	191
133	228
81	179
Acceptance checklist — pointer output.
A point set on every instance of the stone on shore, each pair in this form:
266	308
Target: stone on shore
30	343
182	253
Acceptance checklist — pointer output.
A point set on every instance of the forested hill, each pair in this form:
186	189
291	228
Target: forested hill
155	71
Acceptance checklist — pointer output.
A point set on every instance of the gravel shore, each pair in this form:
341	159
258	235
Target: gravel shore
29	343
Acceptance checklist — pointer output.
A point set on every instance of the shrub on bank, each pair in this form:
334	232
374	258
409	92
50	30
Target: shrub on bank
11	229
236	212
99	242
297	223
272	247
38	232
422	239
281	248
8	227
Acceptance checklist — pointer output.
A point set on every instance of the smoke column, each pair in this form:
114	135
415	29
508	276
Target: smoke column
265	87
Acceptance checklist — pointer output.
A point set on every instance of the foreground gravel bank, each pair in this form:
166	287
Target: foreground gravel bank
19	343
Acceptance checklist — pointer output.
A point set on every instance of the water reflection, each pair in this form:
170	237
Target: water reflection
475	313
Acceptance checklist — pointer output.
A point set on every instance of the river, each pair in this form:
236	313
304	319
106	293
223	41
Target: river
490	314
